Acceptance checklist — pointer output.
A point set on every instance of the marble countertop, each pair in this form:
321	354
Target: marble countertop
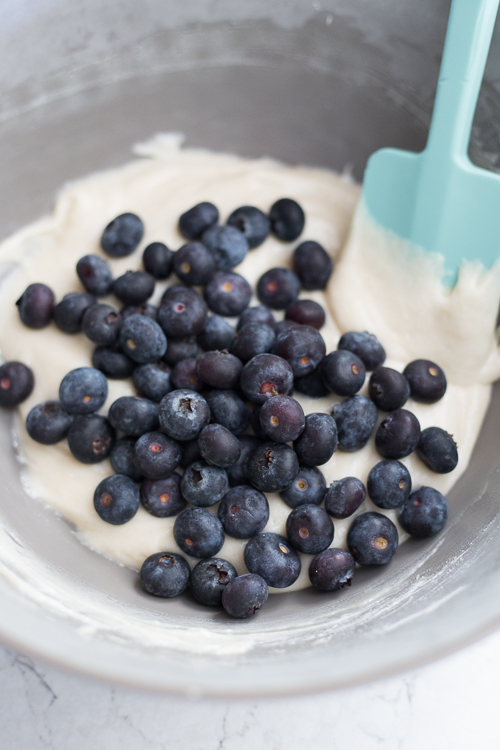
450	705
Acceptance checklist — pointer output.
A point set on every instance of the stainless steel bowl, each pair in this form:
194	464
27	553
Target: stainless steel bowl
324	83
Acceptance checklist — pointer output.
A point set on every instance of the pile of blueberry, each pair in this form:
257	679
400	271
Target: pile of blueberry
194	409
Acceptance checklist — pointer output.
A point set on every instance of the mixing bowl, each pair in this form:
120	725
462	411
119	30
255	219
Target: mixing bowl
323	83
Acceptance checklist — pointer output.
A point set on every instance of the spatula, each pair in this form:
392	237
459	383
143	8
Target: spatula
438	199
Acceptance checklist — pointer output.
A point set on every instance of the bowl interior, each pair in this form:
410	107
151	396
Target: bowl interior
324	87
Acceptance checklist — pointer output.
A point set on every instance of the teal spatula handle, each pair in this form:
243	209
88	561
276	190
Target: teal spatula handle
468	38
470	28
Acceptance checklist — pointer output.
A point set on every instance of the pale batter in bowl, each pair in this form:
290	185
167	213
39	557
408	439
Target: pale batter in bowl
365	294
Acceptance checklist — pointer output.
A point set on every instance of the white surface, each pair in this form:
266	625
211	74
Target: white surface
450	705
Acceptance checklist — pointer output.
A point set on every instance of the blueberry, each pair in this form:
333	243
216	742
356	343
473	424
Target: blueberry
198	532
344	497
285	325
308	487
427	381
311	385
437	449
116	499
182	312
257	314
287	219
389	484
237	473
424	513
152	381
309	529
48	423
228	409
91	438
356	418
156	456
398	435
163	497
218	446
190	453
203	485
343	372
312	264
133	415
388	389
83	391
69	312
243	512
197	220
272	467
306	312
217	334
332	569
36	306
157	260
265	376
112	362
209	578
366	346
227	245
122	459
318	441
302	347
282	419
183	414
252	339
149	311
122	235
372	539
180	349
194	264
101	324
185	375
244	596
252	223
227	294
219	369
278	288
95	274
134	287
16	383
142	339
165	574
274	559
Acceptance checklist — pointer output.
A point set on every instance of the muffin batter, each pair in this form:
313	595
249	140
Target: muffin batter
368	291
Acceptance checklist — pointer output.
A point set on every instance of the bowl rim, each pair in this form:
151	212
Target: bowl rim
56	643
